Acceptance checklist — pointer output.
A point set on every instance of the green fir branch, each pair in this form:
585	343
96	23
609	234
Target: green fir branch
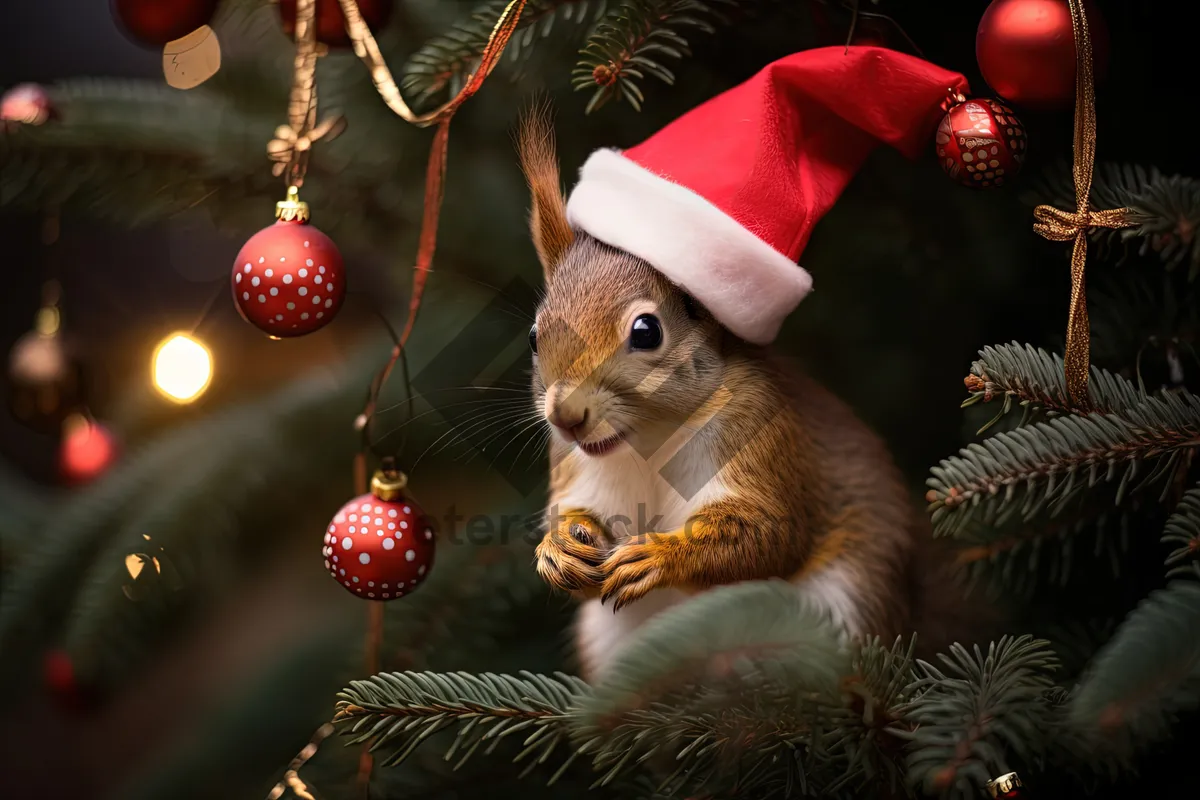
1165	209
1036	381
444	63
1044	466
1145	676
399	710
1183	531
979	713
179	498
867	736
716	692
632	42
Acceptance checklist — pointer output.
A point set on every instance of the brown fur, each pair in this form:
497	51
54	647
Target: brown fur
811	492
552	235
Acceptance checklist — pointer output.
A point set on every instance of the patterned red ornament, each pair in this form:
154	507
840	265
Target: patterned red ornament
980	142
380	546
1026	50
288	279
157	22
87	450
331	23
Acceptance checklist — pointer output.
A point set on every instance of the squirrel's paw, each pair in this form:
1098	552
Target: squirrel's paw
633	569
567	557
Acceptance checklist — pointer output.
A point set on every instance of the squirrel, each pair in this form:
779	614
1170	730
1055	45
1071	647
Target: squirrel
685	458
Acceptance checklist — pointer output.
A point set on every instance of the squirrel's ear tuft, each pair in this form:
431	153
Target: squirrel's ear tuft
548	215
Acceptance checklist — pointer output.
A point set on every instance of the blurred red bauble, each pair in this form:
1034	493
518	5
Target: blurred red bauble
331	23
87	450
61	680
380	545
1026	50
288	279
980	142
156	22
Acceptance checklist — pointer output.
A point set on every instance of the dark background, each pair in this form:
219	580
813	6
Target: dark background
944	272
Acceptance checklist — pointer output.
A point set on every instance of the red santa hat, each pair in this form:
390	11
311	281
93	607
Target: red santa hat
722	200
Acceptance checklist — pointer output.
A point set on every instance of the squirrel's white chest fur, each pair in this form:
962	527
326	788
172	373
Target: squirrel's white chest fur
631	494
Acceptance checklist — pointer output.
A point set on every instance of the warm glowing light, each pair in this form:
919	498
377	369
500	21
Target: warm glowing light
182	368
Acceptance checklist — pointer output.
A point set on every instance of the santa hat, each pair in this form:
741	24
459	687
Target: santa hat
723	199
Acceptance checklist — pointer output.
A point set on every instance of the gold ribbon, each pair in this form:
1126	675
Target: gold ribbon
366	48
1063	226
293	142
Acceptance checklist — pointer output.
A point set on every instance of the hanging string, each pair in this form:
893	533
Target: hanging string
1064	226
292	145
368	50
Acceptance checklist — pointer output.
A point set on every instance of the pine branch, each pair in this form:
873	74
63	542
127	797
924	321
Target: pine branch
978	712
1017	558
633	40
1146	674
1036	381
1045	466
867	736
1165	208
444	63
179	497
399	710
722	688
1183	530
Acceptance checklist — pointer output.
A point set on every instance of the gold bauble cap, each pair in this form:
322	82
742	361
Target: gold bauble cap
388	484
292	208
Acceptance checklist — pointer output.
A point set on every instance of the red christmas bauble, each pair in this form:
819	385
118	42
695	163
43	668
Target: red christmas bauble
331	23
156	22
288	279
379	546
980	142
87	450
1026	50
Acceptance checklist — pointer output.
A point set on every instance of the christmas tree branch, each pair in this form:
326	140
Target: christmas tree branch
632	41
1183	531
978	712
1144	676
1036	381
1024	471
443	63
400	710
172	506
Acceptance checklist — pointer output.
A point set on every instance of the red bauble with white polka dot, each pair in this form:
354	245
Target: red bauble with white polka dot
980	142
288	279
380	546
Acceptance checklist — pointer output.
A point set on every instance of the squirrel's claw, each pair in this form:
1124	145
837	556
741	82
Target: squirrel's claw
632	571
566	558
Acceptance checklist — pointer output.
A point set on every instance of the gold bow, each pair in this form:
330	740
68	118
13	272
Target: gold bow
1063	226
290	143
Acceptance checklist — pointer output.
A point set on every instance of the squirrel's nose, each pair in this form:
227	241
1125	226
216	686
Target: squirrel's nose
568	419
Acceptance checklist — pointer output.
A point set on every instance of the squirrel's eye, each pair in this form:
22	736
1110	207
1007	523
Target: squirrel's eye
646	333
533	339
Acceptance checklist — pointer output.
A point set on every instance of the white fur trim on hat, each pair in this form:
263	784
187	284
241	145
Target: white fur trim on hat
749	286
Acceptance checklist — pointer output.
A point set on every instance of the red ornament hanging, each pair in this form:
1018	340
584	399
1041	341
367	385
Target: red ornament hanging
157	22
331	23
1026	50
380	546
87	450
980	142
288	279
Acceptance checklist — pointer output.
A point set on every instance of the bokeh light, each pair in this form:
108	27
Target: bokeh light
182	368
